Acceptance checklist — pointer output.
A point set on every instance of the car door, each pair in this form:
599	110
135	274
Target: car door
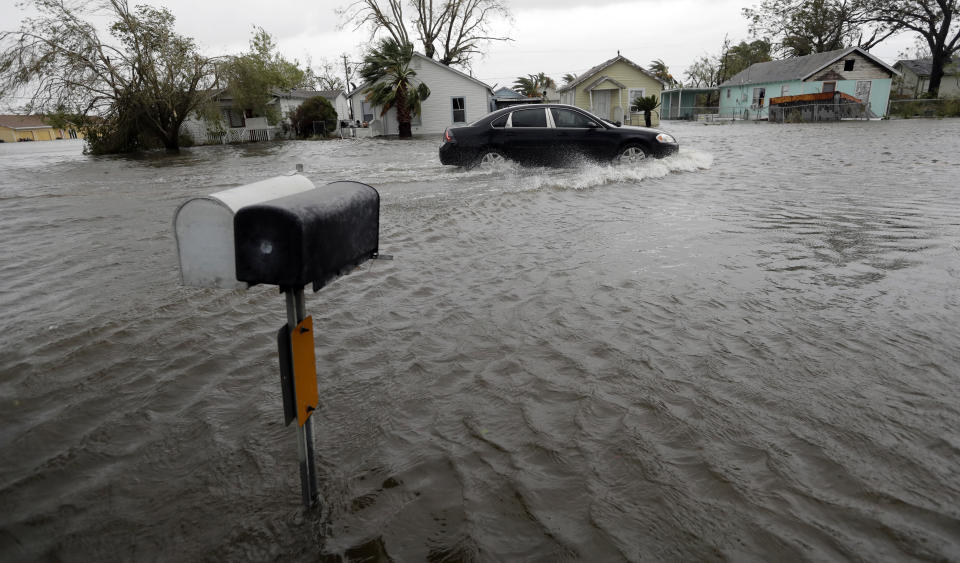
573	133
528	136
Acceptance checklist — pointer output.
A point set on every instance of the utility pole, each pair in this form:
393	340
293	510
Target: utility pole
346	77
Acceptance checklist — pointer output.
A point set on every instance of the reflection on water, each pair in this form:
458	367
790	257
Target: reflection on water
747	351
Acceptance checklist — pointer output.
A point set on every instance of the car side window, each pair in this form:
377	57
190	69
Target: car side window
529	118
569	118
500	122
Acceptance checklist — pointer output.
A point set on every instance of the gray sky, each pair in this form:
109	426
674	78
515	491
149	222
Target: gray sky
551	36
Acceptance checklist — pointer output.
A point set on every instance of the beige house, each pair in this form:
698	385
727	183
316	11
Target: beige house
915	79
608	89
15	128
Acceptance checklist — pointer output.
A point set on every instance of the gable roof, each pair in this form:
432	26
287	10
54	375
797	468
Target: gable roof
303	94
924	67
593	71
920	67
797	68
23	122
431	61
504	93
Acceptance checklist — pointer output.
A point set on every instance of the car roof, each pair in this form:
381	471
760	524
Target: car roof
508	109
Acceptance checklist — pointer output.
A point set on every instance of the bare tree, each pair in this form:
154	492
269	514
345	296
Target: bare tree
450	31
803	27
936	21
146	80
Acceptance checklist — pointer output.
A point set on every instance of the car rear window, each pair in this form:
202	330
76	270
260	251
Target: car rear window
500	121
529	118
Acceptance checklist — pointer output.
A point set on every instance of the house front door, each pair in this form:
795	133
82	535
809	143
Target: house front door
863	91
601	103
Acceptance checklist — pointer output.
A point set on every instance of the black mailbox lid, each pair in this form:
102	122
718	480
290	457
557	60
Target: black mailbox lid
308	237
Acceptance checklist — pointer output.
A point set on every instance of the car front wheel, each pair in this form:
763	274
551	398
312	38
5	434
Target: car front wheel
631	154
489	158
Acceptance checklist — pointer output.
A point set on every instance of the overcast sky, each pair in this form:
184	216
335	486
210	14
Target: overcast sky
551	36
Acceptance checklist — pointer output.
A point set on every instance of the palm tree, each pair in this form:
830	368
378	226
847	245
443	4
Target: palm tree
533	85
386	68
646	104
569	78
660	70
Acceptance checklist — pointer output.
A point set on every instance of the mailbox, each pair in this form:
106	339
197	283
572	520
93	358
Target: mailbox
204	230
309	237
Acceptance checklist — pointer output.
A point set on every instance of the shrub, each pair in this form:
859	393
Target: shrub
315	116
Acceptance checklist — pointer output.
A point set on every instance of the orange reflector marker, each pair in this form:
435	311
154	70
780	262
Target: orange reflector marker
304	370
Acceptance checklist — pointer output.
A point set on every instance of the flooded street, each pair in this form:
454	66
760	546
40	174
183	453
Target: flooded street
749	351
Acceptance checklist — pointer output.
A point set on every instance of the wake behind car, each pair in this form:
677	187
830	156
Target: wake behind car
550	134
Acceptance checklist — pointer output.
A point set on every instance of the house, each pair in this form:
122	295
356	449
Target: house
851	71
291	100
240	124
455	99
686	103
914	79
608	89
15	128
505	97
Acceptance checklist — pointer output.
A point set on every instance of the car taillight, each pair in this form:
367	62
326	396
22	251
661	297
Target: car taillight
448	135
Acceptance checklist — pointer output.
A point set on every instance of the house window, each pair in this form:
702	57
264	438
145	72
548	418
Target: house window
758	95
459	110
848	64
829	87
635	93
367	111
728	92
785	90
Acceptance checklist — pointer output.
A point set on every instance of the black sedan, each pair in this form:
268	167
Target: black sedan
550	134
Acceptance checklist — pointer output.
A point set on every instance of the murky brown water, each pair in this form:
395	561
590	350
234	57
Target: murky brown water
747	352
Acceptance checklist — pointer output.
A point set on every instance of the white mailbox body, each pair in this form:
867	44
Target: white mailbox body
204	230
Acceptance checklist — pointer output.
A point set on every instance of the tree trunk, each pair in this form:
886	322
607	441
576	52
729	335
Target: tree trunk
646	117
403	114
936	74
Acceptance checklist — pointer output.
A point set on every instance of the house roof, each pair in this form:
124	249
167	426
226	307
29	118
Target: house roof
920	67
796	68
23	122
303	94
603	79
923	67
433	62
595	70
505	92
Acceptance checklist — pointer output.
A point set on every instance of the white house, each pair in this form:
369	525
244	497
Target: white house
239	124
455	99
291	100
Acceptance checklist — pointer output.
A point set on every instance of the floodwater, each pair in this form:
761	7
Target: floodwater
747	352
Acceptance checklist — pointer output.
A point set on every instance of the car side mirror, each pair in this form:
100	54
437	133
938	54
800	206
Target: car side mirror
617	123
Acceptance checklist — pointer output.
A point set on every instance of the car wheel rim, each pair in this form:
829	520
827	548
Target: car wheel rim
631	155
491	158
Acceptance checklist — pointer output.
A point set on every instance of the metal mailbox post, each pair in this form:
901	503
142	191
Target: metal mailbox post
285	232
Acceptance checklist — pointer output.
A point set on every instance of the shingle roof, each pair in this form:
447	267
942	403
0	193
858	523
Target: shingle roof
920	67
797	68
302	94
590	73
23	121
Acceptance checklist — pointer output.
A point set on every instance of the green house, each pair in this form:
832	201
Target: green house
852	72
608	89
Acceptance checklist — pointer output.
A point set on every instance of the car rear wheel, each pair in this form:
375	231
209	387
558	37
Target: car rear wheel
489	158
631	154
